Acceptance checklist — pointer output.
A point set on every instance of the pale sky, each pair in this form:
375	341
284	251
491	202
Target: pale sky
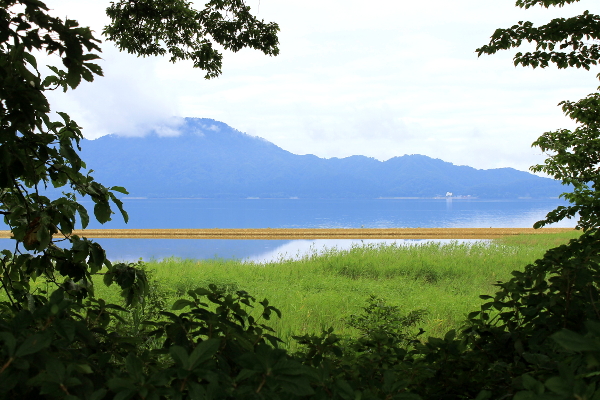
381	78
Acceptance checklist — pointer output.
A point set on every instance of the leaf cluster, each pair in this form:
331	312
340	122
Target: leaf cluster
36	152
158	27
65	349
564	42
574	158
209	345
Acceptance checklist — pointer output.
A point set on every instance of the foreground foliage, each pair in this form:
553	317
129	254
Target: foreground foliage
322	288
208	345
538	337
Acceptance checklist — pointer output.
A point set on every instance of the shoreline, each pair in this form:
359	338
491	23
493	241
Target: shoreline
308	233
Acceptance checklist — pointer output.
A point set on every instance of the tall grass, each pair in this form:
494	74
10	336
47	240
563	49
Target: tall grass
323	289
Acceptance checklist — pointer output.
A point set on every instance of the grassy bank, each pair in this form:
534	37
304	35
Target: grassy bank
322	289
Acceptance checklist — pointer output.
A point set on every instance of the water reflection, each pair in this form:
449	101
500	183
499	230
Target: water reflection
329	213
261	251
448	203
297	249
302	213
245	250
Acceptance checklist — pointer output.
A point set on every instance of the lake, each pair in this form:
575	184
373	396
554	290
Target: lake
301	213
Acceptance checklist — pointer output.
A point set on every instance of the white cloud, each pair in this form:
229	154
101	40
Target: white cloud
130	99
381	79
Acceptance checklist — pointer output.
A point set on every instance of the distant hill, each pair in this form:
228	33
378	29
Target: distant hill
209	159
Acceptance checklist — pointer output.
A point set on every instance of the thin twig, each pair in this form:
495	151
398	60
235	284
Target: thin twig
10	360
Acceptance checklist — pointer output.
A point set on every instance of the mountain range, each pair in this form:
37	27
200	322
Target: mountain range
209	159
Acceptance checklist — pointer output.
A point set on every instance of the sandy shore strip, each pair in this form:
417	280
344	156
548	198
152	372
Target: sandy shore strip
290	234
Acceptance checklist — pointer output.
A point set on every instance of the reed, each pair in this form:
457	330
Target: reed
325	287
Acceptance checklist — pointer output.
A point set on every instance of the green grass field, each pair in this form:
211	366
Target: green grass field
321	290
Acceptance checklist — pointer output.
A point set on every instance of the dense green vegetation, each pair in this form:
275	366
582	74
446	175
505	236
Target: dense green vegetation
537	337
323	289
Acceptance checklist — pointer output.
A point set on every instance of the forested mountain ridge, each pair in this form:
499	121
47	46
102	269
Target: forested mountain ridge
209	159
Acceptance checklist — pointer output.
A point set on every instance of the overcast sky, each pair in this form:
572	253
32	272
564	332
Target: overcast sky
381	78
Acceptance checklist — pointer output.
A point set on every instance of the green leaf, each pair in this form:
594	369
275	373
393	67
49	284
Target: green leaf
559	386
83	214
532	384
202	292
180	356
288	367
115	384
593	327
81	248
97	254
412	396
245	374
298	386
67	151
95	68
43	236
87	75
135	367
125	394
119	189
90	57
9	341
98	394
344	389
119	204
33	344
102	212
182	303
84	368
196	391
30	59
484	395
450	335
203	352
73	79
65	327
574	341
525	395
108	278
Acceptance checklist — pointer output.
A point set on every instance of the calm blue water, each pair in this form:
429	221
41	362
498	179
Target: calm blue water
301	213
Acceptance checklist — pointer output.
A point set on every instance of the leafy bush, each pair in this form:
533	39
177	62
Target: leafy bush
537	338
65	349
